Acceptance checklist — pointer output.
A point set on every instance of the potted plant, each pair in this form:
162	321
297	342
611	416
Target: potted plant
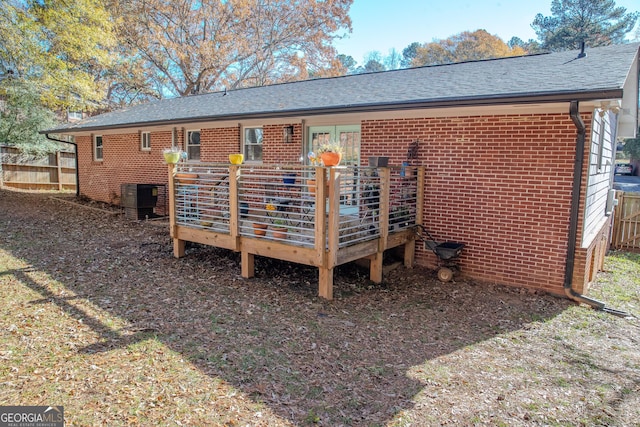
289	178
171	155
279	229
259	229
330	153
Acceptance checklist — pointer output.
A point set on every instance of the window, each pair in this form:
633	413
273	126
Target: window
193	145
74	115
97	148
601	146
145	141
253	144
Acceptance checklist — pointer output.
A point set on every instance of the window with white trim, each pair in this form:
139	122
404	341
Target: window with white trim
145	141
74	115
97	148
253	144
193	144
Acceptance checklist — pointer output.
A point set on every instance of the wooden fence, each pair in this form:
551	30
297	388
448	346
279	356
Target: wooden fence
55	171
626	222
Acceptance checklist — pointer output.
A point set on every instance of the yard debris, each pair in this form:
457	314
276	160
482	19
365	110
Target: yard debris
98	316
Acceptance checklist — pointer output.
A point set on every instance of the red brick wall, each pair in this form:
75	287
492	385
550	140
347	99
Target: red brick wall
217	144
123	162
501	185
275	150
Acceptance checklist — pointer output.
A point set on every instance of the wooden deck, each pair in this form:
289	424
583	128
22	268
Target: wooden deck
363	210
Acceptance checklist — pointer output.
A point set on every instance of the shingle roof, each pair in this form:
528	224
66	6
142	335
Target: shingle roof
558	76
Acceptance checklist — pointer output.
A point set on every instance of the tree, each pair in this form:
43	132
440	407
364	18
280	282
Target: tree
59	46
595	22
196	46
393	60
530	46
373	63
23	116
347	63
632	147
465	46
373	66
408	54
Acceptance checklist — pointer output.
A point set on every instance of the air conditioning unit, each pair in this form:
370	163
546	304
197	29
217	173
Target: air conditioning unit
138	200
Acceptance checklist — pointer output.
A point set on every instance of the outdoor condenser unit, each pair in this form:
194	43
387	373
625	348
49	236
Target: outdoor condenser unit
138	200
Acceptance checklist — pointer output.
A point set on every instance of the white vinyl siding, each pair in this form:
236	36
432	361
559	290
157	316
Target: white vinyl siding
600	170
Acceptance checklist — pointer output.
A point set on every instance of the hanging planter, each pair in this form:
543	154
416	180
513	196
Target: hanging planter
289	178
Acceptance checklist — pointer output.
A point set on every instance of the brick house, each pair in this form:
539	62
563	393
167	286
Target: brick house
518	151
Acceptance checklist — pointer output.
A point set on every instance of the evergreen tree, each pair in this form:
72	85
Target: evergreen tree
595	22
22	116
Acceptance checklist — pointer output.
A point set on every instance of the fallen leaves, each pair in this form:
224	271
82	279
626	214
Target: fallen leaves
97	315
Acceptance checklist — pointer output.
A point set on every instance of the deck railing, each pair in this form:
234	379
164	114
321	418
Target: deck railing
321	211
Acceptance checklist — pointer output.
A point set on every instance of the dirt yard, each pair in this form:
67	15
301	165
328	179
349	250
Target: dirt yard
98	316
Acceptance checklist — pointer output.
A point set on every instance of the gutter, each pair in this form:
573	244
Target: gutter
75	149
574	112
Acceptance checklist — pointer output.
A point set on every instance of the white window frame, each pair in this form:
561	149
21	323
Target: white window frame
246	144
98	150
75	115
145	141
187	138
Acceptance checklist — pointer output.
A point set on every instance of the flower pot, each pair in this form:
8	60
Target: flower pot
331	159
259	229
289	178
171	157
186	178
236	159
311	186
280	232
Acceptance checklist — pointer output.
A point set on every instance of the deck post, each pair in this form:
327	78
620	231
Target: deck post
325	282
248	265
375	262
410	246
375	267
234	222
178	245
320	227
333	219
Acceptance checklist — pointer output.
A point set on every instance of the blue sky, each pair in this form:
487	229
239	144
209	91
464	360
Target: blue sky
384	24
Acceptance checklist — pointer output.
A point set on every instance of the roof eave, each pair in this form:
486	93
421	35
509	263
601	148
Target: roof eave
527	98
